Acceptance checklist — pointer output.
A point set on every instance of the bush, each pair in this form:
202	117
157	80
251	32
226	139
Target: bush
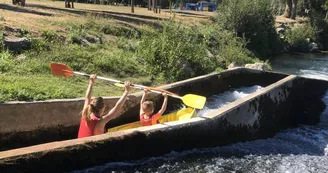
6	61
227	47
254	20
120	31
39	45
297	36
51	36
320	27
176	52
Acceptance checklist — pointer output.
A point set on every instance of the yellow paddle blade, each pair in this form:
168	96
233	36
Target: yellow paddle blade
195	101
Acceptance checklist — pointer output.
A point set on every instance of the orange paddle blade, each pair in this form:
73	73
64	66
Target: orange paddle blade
59	69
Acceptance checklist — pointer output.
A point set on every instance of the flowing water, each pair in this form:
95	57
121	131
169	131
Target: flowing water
299	150
307	65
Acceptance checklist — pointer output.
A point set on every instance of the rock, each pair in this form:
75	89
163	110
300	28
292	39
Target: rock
280	30
313	47
12	29
21	57
209	54
234	65
283	26
130	46
84	42
92	39
308	40
186	68
15	43
258	66
5	33
139	60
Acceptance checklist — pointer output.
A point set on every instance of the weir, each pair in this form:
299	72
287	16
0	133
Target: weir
284	101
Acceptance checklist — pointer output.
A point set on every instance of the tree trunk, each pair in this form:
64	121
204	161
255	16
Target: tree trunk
73	3
153	5
149	4
170	6
156	6
288	9
132	6
294	9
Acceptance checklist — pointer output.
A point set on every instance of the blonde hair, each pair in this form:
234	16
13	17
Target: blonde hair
96	106
148	106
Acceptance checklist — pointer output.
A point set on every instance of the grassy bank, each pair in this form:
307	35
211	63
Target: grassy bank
146	48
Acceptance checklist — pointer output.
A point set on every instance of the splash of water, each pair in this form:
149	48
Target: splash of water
217	101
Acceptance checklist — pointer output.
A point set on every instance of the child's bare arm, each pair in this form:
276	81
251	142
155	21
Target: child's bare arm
143	99
89	91
157	116
115	111
164	104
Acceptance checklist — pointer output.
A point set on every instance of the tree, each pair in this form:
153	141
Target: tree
291	9
132	6
68	5
288	9
22	2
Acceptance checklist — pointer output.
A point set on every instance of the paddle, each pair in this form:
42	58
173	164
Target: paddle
191	100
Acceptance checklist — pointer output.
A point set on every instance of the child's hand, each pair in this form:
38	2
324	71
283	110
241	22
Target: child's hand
92	78
164	95
145	90
127	85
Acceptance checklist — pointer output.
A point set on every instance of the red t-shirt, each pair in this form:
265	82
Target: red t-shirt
87	128
149	121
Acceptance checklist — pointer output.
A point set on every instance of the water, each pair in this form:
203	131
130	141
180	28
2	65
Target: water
306	65
299	150
217	101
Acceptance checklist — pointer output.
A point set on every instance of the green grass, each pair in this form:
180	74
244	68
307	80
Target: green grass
41	87
147	56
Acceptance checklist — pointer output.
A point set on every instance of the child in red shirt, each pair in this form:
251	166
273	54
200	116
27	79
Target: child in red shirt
93	120
147	116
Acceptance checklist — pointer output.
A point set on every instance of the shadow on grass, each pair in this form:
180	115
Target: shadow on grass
126	17
22	10
186	13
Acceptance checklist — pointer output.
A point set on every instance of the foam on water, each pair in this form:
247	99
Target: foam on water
309	65
315	74
217	101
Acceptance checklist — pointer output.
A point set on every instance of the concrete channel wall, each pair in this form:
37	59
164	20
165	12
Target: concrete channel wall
285	103
30	123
